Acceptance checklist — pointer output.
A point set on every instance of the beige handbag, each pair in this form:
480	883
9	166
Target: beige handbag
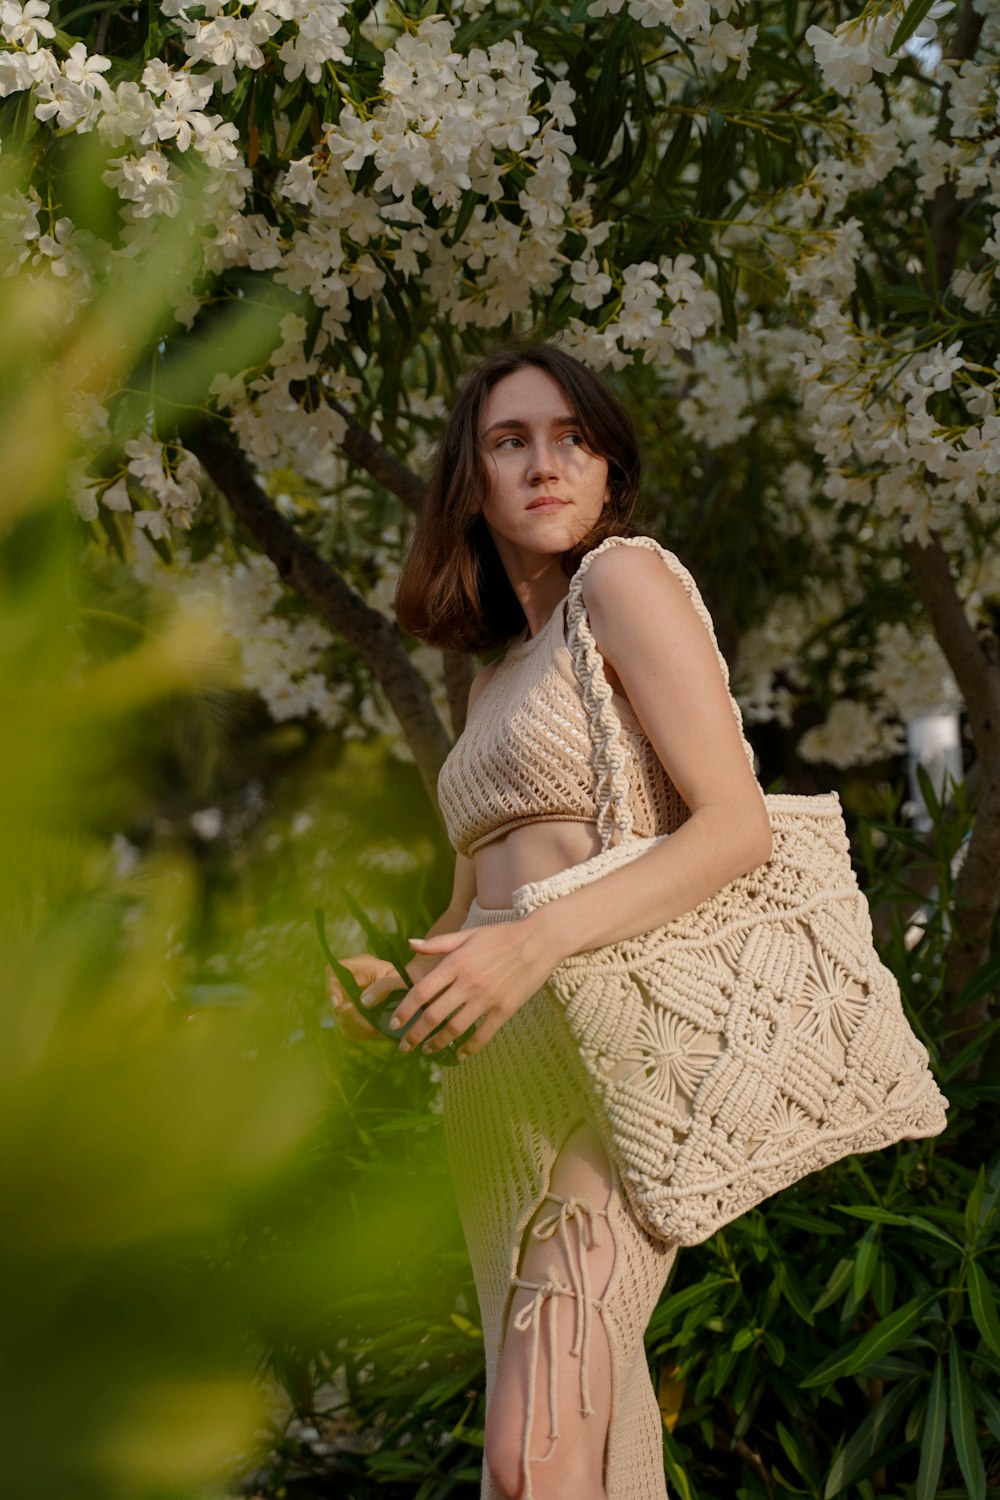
753	1040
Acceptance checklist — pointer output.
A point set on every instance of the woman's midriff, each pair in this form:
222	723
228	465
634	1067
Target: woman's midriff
531	852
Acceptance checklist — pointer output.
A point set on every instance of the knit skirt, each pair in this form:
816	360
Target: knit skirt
507	1112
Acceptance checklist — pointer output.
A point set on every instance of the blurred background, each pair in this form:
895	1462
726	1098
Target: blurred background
229	1250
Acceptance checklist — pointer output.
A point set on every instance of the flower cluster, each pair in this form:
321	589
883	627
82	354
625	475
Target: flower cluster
280	656
412	172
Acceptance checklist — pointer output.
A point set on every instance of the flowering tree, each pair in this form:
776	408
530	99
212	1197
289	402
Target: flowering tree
779	227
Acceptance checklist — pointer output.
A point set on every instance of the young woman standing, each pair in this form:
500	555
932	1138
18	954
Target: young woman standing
537	466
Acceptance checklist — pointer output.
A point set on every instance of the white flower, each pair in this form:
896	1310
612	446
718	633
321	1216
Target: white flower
145	457
24	25
849	56
116	496
593	283
724	44
15	73
318	42
85	69
939	370
852	735
148	182
129	114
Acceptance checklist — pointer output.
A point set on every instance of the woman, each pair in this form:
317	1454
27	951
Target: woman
538	464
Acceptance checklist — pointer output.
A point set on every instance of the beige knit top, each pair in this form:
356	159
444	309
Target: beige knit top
525	757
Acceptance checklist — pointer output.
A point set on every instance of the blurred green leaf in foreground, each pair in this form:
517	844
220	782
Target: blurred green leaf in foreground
137	1132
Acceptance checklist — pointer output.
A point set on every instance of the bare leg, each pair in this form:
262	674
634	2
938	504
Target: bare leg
546	1430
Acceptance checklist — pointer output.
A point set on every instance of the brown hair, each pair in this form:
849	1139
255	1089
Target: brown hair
453	590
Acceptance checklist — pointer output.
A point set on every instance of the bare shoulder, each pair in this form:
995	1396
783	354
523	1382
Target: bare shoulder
636	581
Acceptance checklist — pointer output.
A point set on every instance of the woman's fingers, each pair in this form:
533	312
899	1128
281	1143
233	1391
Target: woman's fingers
458	1024
443	1010
365	968
350	1024
491	1025
424	995
381	989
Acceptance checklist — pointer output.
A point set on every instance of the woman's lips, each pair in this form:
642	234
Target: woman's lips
547	504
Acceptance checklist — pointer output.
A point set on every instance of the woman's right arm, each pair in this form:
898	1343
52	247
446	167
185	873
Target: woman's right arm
377	974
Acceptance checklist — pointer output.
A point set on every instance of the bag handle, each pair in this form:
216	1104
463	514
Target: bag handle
608	747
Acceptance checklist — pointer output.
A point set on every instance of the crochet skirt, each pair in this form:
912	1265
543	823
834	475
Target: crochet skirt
507	1112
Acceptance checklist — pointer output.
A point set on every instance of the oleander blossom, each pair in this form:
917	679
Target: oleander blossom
400	172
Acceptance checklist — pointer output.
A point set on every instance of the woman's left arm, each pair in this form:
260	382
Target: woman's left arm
648	630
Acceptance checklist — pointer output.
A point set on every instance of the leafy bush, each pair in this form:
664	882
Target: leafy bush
840	1340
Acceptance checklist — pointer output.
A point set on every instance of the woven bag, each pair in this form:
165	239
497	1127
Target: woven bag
753	1040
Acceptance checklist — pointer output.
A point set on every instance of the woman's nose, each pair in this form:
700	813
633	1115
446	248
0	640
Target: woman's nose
543	462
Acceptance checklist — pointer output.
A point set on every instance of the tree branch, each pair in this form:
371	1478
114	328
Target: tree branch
977	887
945	215
365	629
408	487
376	460
975	903
976	675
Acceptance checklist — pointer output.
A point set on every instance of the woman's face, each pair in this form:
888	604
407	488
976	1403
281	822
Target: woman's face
534	450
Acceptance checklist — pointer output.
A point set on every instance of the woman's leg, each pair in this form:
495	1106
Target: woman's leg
547	1426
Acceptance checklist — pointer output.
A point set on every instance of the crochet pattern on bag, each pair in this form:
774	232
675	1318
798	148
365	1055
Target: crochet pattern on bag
753	1040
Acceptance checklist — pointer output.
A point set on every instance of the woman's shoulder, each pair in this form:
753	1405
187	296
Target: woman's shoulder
635	568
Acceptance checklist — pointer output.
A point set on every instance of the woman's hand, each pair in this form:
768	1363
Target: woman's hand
482	974
377	974
379	978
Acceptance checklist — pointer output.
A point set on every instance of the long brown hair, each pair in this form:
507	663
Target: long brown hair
453	590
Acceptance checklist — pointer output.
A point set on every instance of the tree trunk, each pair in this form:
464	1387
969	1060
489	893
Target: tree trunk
365	629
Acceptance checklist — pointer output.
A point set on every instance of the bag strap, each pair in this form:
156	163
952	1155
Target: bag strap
608	747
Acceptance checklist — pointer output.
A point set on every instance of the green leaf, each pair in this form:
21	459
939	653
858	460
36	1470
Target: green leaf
675	154
884	1287
979	1043
840	1280
873	1345
988	1404
904	1221
866	1260
463	218
962	1418
974	1207
983	982
727	299
675	1469
890	1332
918	11
864	1445
984	1309
774	1346
830	1368
932	1440
798	1453
793	1291
799	1218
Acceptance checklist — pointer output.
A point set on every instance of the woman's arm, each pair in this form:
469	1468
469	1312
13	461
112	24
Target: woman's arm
649	632
380	977
647	629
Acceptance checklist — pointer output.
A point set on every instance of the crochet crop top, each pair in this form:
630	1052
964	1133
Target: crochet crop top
525	753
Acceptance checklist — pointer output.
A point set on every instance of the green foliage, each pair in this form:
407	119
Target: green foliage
839	1341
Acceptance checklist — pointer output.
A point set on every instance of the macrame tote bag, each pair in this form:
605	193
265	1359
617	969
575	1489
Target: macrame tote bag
753	1040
